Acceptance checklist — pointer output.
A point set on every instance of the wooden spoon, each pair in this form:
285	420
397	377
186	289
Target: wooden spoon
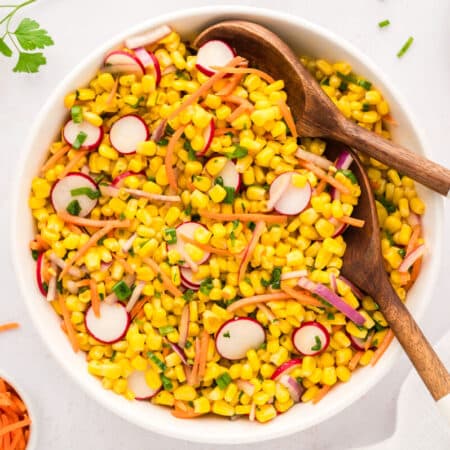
363	265
315	114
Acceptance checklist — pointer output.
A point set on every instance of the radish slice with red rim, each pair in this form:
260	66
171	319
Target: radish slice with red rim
215	53
237	336
39	275
286	368
75	187
187	229
188	280
127	132
230	176
138	386
208	136
118	181
311	338
112	324
293	200
148	59
93	135
119	61
357	343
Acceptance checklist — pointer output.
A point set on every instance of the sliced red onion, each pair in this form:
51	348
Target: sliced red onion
158	132
333	299
411	258
356	291
320	161
333	283
169	69
129	243
246	387
150	37
183	329
52	284
344	160
294	274
178	350
137	291
104	266
295	389
73	271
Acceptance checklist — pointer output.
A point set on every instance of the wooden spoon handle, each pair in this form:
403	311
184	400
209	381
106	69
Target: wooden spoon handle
424	358
417	167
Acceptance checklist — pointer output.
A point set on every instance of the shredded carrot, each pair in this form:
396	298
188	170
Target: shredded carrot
9	326
137	308
68	323
355	360
233	82
83	283
241	109
321	394
192	380
320	173
205	87
222	131
73	228
257	232
182	411
267	311
73	163
205	247
85	222
415	235
39	243
382	347
264	298
95	298
415	270
169	160
204	344
243	217
303	297
55	158
165	279
235	99
244	70
352	221
125	264
287	116
389	119
113	92
369	340
14	426
84	248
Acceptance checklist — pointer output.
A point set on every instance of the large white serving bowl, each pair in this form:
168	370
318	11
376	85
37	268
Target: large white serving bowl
305	38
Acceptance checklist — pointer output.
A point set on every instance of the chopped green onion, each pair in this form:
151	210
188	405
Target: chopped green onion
77	114
206	286
156	360
390	207
226	335
350	78
219	181
238	152
276	278
188	344
121	290
167	384
91	193
78	142
318	345
235	224
405	47
251	226
73	208
365	107
223	380
163	142
402	252
34	254
166	330
384	23
188	294
170	234
229	198
192	154
349	174
45	286
59	286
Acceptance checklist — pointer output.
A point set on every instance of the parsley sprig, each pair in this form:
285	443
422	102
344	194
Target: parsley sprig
27	36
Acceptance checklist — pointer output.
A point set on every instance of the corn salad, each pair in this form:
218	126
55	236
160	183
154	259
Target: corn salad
128	239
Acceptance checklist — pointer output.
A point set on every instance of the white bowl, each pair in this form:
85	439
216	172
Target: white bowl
305	38
32	440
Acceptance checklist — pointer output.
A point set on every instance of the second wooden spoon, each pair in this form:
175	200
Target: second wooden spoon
315	114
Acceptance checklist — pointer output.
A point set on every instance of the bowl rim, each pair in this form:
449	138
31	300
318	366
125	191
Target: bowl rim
389	358
32	440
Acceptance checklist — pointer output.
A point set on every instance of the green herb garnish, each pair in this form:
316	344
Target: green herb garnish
229	198
152	357
167	384
78	142
402	252
192	154
276	278
350	78
77	114
166	330
170	234
91	193
349	174
251	225
318	344
188	344
405	47
163	142
73	208
238	152
219	181
384	23
390	207
206	286
223	380
188	294
121	290
365	107
34	254
226	335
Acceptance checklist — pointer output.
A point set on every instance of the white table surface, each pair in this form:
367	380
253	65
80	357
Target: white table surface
67	419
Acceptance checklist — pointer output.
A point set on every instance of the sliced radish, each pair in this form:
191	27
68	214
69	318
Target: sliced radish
118	181
94	134
188	280
213	53
112	324
187	229
127	132
39	274
149	37
208	136
286	368
119	61
230	176
62	193
138	386
148	59
311	338
357	343
237	336
293	200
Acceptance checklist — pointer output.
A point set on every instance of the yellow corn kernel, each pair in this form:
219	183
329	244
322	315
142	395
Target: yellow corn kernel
164	398
202	405
265	413
222	408
366	358
329	376
343	373
199	200
356	331
185	393
417	205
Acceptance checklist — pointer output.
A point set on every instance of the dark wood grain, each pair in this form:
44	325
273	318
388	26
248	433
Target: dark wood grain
363	264
315	114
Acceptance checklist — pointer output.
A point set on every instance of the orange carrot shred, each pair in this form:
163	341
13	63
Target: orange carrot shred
263	298
233	82
304	298
85	222
352	221
73	163
165	279
113	92
257	232
415	270
14	426
244	70
68	323
241	109
168	160
382	347
55	158
192	380
355	360
9	326
415	235
95	298
287	116
222	131
250	217
321	394
204	344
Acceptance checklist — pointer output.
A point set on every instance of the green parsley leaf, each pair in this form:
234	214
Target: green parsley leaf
91	193
121	290
78	142
73	208
170	235
29	62
238	152
77	113
31	36
318	345
4	49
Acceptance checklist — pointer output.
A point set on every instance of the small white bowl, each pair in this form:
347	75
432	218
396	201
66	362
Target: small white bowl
305	38
32	440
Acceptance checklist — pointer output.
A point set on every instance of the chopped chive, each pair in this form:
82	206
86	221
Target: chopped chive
219	181
166	330
206	286
167	384
156	360
170	234
73	208
238	152
276	278
405	47
188	294
91	193
223	380
402	252
235	223
226	335
163	142
78	142
384	23
251	226
365	107
229	198
121	290
350	78
77	114
34	254
188	344
318	344
113	356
